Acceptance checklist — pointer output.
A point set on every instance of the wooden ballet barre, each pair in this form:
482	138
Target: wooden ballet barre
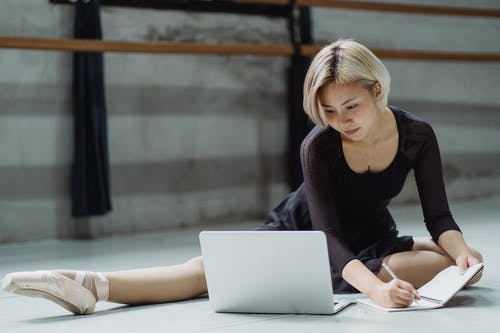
401	8
92	45
311	50
265	2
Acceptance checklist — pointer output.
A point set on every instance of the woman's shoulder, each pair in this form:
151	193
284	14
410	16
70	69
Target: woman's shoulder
320	149
412	125
320	140
415	133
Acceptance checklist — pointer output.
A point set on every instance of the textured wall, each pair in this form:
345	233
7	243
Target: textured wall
193	139
197	139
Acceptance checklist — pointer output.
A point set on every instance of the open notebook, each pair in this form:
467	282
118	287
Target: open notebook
438	291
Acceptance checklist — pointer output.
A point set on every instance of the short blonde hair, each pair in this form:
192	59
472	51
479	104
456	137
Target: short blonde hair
342	62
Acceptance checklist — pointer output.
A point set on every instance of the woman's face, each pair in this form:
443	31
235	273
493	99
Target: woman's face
350	109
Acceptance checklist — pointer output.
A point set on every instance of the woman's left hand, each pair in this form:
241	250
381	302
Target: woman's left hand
466	260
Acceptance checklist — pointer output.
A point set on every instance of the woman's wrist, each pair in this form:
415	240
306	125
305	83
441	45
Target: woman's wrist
373	288
464	253
453	243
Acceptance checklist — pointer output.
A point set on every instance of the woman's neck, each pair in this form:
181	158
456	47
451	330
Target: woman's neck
379	131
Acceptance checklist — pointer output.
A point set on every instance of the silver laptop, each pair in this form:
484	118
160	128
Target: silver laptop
268	272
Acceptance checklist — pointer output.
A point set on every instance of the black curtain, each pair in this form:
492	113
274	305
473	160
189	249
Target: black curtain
298	122
90	180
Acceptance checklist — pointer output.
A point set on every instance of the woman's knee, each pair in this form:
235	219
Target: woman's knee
416	267
427	244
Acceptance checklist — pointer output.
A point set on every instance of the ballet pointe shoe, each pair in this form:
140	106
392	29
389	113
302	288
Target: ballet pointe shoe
52	286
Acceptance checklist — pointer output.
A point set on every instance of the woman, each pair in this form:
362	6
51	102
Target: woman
354	162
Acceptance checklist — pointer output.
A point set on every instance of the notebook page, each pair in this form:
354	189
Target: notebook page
447	283
420	305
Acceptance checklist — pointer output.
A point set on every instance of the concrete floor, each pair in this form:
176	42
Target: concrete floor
475	308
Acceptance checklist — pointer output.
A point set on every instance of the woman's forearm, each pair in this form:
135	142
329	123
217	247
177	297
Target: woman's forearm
360	277
453	243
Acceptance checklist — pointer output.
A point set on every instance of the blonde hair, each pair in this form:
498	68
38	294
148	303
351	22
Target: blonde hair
342	62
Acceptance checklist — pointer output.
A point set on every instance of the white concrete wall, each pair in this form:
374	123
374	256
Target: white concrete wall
193	139
197	139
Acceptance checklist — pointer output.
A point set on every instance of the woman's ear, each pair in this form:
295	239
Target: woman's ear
377	91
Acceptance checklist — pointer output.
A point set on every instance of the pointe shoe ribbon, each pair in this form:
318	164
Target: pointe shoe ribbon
52	286
101	283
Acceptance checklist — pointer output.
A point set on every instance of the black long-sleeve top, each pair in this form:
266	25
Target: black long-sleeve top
351	208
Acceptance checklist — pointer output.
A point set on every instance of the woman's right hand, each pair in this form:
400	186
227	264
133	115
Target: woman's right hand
394	294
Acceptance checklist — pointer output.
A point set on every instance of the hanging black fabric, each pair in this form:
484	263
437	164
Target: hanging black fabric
298	123
90	180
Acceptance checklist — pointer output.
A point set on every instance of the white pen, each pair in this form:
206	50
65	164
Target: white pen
389	270
393	275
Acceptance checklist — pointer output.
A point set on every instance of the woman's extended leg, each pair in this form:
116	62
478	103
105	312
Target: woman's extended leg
156	284
79	291
421	264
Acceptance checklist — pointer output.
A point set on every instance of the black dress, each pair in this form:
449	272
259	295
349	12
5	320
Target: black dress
351	208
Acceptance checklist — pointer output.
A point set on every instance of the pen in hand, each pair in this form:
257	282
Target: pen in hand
389	270
394	276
